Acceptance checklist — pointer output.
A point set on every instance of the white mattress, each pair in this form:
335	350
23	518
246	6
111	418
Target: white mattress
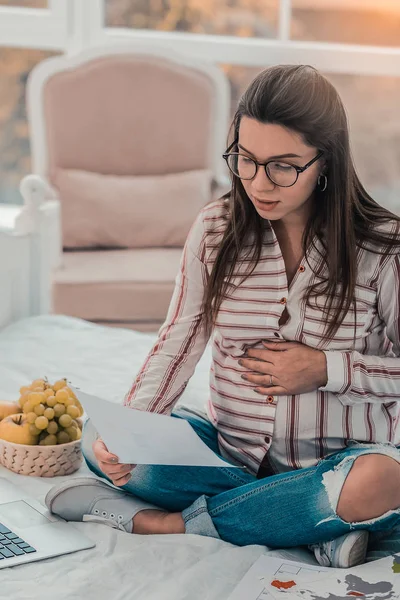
122	566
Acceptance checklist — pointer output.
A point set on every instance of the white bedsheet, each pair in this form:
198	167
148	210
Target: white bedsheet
104	361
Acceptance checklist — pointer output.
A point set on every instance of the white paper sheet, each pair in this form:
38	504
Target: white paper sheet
145	438
277	579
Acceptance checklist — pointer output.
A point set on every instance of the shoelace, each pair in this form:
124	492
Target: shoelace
320	552
105	520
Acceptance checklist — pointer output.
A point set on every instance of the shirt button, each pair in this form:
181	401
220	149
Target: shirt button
302	269
270	399
283	300
276	334
267	439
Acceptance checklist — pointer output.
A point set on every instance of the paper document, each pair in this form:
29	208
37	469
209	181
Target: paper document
146	438
273	578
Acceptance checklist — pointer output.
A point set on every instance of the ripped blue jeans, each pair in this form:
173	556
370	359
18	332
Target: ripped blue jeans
280	511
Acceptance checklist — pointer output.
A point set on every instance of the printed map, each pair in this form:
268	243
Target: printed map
275	579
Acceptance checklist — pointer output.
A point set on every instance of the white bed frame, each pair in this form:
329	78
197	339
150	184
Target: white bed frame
30	248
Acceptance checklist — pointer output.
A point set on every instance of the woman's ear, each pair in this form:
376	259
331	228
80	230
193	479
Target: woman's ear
324	168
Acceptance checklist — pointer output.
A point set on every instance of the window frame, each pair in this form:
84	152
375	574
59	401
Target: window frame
254	52
73	25
38	28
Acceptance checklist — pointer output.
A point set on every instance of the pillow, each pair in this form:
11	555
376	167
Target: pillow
129	211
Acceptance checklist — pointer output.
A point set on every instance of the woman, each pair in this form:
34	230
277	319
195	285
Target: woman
296	274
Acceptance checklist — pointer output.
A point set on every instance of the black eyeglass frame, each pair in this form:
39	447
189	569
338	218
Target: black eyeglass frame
299	170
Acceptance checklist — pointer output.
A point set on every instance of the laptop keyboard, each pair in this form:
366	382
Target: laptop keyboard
11	545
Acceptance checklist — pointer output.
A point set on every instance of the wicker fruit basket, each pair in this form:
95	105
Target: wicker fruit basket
41	461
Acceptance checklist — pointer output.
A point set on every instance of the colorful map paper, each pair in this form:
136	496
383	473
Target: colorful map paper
276	579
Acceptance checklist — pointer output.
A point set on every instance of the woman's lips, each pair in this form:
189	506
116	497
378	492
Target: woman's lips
266	205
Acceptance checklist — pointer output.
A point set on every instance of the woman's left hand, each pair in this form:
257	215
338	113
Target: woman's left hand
295	368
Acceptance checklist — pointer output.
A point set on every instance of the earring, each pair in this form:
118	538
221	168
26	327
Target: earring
325	185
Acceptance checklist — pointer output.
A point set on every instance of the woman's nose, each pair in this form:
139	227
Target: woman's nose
261	182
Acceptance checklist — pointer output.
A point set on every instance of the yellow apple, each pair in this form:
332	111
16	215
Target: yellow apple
15	428
8	408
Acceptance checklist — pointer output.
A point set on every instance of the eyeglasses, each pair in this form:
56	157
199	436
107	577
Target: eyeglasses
281	173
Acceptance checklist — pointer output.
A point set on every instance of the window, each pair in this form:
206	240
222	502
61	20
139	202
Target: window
372	106
375	24
243	18
14	137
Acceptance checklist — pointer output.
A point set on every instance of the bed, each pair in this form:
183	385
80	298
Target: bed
103	361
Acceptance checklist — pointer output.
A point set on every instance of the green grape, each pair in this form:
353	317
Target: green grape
22	400
65	421
49	413
58	385
62	396
79	405
72	432
48	392
50	440
63	437
59	409
42	443
51	401
73	411
42	423
39	409
33	429
37	398
31	417
28	407
52	427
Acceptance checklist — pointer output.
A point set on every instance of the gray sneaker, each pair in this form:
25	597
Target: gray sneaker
344	552
91	499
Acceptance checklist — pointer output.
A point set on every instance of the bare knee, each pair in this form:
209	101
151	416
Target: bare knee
372	488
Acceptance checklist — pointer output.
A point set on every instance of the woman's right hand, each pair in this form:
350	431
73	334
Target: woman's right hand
119	473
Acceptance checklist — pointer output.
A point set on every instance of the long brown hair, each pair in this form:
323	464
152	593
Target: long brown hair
344	216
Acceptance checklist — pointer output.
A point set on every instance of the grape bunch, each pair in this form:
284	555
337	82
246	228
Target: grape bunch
53	411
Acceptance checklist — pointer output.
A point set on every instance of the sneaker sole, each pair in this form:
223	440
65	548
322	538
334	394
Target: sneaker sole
75	482
355	547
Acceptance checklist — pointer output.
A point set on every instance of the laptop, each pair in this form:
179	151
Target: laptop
29	532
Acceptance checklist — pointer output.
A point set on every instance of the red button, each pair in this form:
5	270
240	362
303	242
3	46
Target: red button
302	269
283	300
270	399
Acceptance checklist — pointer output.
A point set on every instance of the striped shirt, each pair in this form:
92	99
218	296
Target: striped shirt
361	399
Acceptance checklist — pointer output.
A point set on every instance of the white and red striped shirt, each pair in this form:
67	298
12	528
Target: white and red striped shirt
361	399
